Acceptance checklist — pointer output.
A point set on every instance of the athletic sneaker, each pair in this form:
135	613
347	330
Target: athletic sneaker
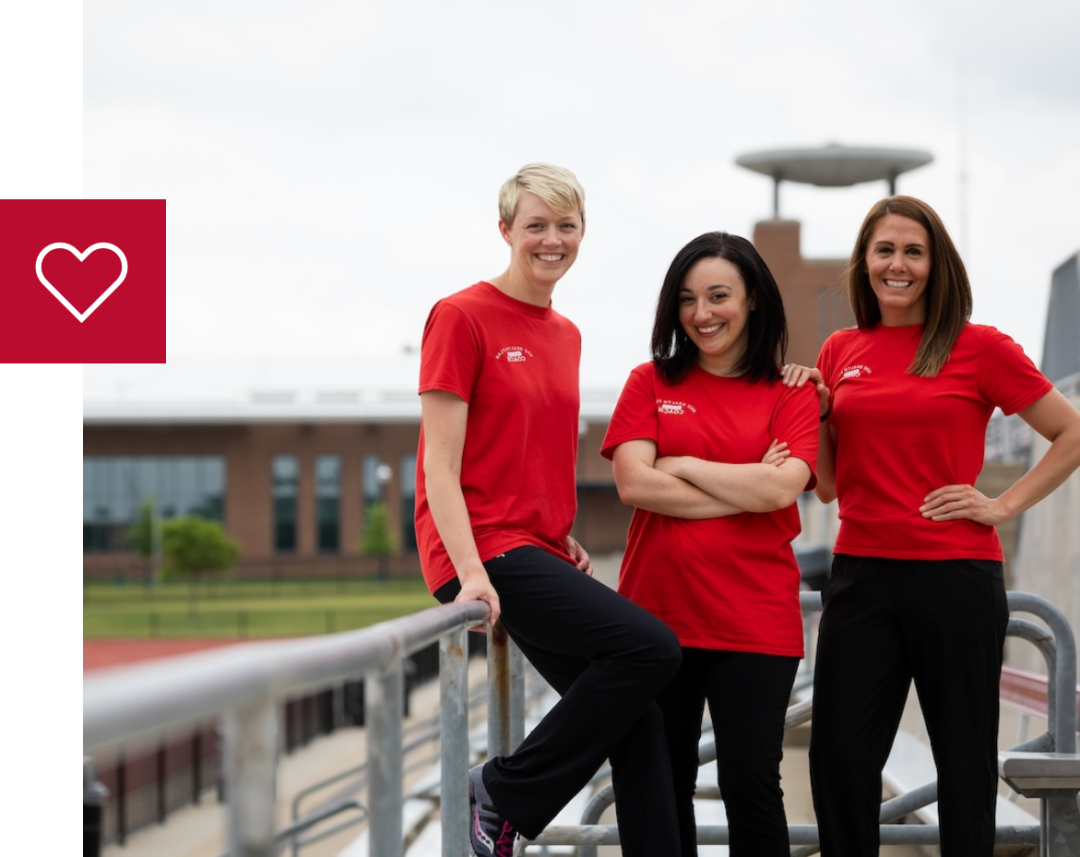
491	834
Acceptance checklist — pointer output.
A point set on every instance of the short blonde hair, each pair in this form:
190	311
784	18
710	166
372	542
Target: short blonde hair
556	186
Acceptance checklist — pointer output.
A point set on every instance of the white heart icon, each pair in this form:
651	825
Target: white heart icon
82	316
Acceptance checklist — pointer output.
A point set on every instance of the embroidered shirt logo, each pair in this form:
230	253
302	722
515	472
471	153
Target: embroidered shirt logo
856	371
514	354
666	406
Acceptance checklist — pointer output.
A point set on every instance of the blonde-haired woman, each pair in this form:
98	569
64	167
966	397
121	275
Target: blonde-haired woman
916	591
496	498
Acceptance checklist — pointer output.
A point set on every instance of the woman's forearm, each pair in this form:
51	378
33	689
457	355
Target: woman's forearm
1057	420
681	500
451	517
643	486
751	487
445	417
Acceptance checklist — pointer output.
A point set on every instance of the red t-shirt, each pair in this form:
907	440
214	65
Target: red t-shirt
720	583
517	366
900	436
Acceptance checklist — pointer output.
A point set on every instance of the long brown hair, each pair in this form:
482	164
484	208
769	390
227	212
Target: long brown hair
948	292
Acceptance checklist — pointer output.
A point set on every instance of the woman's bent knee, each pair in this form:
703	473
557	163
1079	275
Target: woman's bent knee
669	652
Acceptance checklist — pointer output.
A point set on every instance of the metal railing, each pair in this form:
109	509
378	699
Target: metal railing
417	736
243	683
1058	810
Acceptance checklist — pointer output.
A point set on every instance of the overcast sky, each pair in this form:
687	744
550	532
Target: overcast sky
331	169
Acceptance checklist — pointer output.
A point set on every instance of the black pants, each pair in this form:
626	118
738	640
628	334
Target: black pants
748	696
885	623
607	658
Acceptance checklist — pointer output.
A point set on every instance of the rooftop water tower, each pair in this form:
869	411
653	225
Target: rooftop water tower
814	296
833	166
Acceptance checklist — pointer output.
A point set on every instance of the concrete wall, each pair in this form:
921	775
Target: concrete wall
1048	556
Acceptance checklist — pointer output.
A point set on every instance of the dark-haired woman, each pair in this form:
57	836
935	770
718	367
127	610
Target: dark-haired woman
713	450
916	591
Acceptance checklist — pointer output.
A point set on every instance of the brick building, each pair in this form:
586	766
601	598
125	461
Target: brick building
815	299
292	491
289	455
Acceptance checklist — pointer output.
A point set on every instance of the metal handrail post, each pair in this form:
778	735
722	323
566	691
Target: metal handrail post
94	794
1063	688
498	661
590	816
1063	704
130	703
454	749
249	735
1043	640
384	710
1057	811
810	602
517	695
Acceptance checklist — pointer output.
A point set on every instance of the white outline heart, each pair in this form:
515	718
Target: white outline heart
82	316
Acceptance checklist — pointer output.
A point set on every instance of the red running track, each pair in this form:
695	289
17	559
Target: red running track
99	654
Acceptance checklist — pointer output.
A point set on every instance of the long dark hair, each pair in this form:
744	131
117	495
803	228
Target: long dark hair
673	352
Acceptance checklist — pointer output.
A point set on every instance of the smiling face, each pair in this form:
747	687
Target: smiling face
714	311
898	265
543	243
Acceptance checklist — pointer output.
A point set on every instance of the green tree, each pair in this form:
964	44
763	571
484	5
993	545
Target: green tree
194	547
378	540
144	535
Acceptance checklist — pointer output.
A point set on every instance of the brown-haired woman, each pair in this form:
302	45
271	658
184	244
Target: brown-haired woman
916	591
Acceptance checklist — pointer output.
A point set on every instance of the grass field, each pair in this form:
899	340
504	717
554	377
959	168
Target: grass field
239	610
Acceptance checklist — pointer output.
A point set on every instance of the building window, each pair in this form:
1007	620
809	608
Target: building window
286	472
115	487
328	501
408	502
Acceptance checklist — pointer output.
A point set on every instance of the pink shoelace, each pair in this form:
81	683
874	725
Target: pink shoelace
505	846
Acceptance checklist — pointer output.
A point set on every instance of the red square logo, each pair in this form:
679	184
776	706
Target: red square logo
82	281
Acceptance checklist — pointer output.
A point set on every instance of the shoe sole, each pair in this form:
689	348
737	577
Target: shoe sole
472	815
519	846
